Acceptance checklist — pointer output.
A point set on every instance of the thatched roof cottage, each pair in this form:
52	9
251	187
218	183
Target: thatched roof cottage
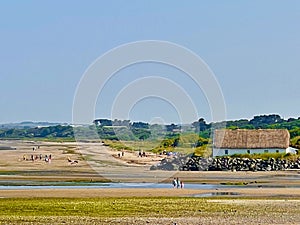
242	141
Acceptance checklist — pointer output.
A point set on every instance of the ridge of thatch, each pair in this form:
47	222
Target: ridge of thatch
251	139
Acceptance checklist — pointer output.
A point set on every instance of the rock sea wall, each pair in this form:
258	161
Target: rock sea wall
196	163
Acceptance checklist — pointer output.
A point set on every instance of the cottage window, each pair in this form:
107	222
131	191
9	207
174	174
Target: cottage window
277	151
266	151
226	152
248	151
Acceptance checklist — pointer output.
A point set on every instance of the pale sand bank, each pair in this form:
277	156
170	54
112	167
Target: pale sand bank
148	192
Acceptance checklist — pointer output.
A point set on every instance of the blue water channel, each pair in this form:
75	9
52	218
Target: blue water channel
28	185
22	185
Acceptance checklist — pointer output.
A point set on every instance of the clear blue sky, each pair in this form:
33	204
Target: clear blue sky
253	48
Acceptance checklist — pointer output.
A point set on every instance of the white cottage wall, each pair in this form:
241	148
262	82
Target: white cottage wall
229	151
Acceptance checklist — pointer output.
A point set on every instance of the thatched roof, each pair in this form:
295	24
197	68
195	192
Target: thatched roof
251	139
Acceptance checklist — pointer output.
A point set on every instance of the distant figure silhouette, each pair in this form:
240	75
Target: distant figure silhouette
174	183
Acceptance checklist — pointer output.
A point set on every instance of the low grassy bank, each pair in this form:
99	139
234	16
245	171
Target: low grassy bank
108	207
101	210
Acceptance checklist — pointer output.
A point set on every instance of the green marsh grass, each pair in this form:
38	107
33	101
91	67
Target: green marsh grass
109	207
88	210
119	206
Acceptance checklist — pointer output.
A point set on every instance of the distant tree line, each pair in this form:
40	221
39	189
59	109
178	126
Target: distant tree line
171	133
258	122
58	131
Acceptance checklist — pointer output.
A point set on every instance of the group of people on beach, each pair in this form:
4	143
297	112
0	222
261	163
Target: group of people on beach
177	183
121	154
142	153
46	158
35	157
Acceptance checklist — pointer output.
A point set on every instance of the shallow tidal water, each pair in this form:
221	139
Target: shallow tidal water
28	185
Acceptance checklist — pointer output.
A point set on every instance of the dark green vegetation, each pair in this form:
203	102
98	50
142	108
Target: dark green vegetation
172	137
51	132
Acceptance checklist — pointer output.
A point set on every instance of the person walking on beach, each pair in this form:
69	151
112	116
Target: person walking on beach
174	182
181	184
177	182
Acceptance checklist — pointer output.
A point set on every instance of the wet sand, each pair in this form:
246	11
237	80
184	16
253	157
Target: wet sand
151	192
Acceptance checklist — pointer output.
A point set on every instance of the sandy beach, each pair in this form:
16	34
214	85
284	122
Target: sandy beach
237	195
93	162
68	179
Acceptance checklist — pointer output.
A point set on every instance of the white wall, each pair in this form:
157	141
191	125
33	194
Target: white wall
221	152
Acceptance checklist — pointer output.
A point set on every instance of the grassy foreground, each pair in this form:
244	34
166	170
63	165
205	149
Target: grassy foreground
109	210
